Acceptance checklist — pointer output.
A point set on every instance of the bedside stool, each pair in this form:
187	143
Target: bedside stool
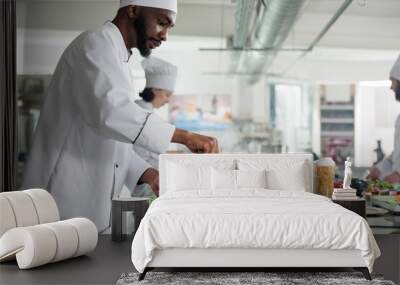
138	205
357	206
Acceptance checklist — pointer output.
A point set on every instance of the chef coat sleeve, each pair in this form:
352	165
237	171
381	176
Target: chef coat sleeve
137	166
392	163
102	93
385	166
396	150
396	158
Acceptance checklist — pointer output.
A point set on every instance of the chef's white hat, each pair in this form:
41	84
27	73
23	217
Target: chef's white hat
159	73
395	72
162	4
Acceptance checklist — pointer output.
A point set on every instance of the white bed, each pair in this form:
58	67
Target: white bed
230	210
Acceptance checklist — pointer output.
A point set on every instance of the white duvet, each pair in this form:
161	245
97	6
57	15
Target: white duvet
254	218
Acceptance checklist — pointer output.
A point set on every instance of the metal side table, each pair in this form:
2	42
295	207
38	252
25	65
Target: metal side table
137	205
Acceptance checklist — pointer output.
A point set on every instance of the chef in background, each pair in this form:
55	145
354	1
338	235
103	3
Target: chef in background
389	168
160	85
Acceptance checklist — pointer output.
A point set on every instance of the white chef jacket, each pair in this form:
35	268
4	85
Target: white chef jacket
149	156
392	162
82	150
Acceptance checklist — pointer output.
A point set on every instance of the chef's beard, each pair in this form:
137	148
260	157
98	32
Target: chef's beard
140	27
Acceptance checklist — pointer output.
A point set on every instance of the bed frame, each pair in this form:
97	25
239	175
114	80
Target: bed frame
259	259
236	259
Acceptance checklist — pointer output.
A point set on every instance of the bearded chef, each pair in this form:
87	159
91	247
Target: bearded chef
82	151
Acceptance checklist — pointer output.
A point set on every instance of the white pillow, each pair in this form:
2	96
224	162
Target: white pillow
223	179
251	178
183	177
282	174
227	179
293	181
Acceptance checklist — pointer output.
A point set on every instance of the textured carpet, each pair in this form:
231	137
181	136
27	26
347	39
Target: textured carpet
243	278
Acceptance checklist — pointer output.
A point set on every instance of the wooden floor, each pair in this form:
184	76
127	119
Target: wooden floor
103	266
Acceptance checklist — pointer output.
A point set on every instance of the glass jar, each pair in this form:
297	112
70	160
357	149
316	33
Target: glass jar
325	176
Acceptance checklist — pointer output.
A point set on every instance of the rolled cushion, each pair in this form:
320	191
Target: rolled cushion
67	240
45	205
26	208
33	246
23	208
87	234
7	218
37	245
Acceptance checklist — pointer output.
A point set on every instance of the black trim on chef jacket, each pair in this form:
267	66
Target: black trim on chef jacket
140	132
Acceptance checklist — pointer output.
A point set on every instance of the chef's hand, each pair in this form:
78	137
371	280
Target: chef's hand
201	144
393	178
195	142
150	177
374	174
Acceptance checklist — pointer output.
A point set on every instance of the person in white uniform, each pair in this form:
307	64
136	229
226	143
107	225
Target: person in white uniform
389	168
160	85
82	151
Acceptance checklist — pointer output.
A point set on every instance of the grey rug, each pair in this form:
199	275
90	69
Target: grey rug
268	278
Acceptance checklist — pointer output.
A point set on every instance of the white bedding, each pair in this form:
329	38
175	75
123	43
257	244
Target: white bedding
252	218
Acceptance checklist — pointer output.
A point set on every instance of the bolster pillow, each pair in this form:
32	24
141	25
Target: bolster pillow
40	244
26	208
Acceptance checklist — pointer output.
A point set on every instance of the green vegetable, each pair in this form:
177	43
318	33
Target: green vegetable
152	198
378	184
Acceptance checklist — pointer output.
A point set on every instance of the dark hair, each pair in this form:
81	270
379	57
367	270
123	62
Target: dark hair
147	94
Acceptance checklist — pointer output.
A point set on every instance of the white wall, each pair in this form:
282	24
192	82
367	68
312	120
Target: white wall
195	68
351	31
292	116
313	90
337	65
43	48
260	105
375	113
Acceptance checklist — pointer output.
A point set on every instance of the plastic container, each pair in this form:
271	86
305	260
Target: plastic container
325	176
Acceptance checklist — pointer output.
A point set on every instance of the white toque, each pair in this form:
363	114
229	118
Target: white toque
162	4
159	73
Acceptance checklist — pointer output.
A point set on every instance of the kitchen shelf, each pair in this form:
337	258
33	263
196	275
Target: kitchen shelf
337	134
257	136
340	107
337	120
